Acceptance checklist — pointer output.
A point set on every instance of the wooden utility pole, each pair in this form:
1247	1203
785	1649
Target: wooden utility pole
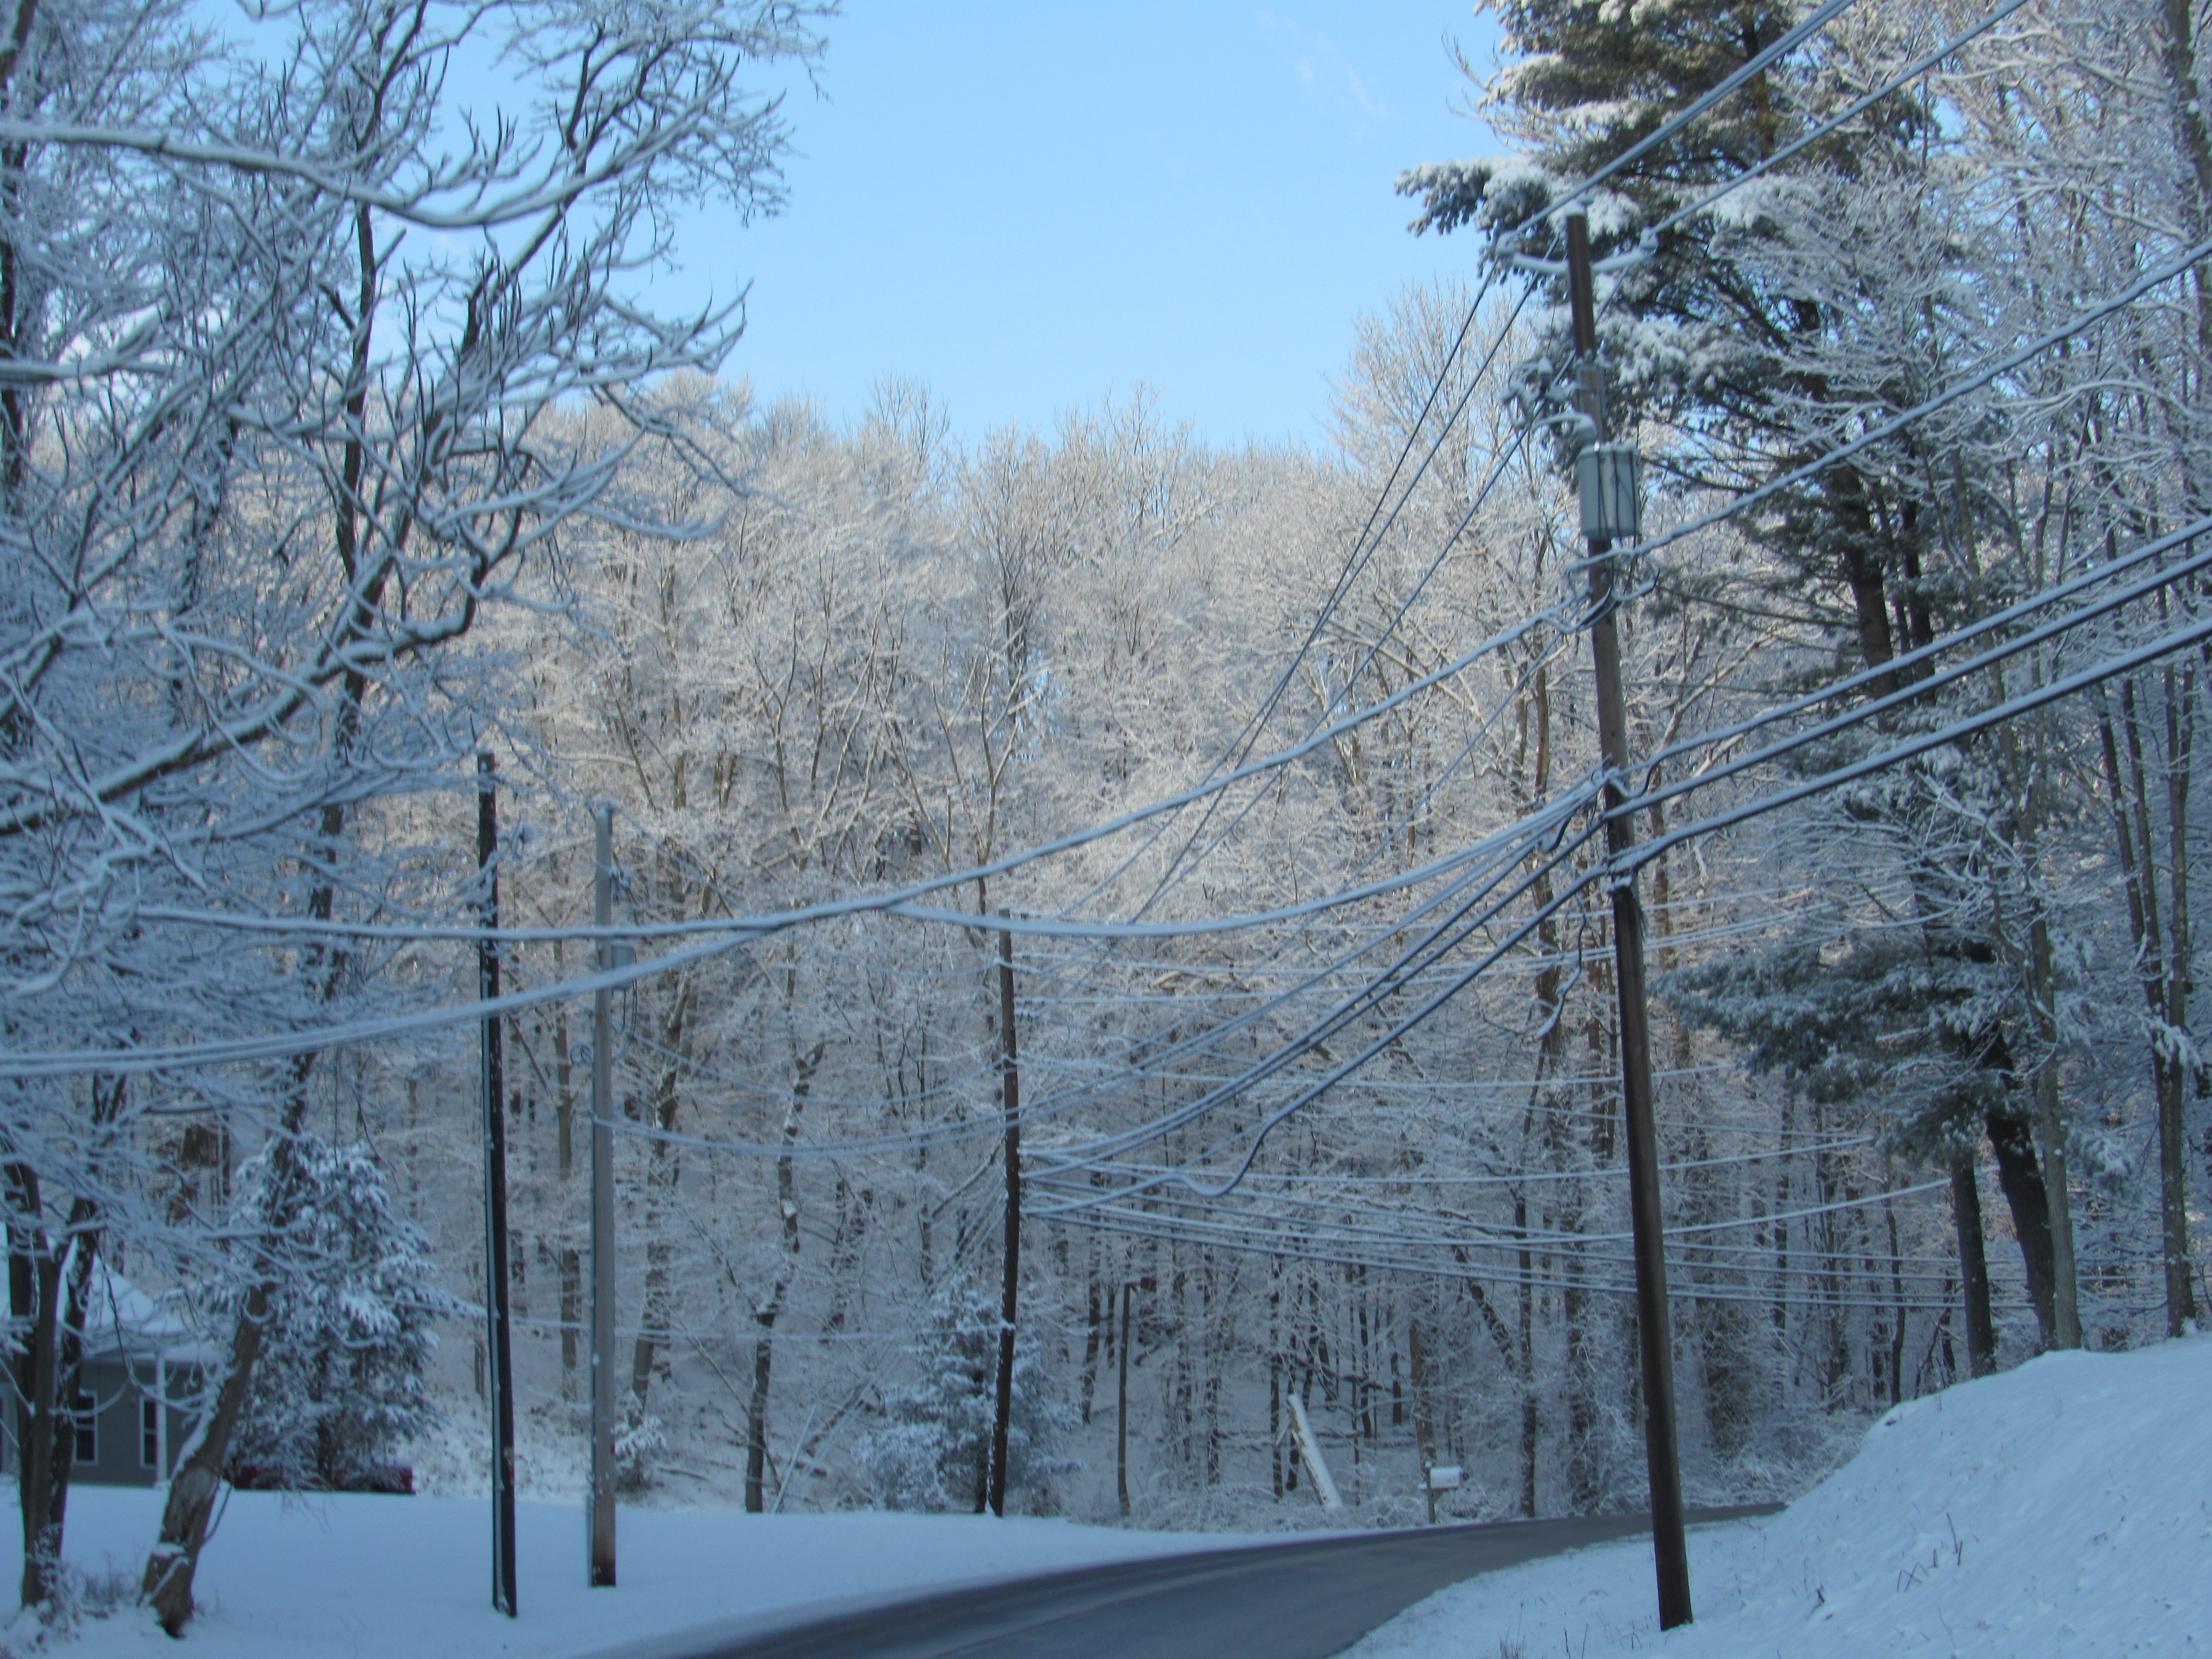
603	1212
1009	1084
498	1338
1606	478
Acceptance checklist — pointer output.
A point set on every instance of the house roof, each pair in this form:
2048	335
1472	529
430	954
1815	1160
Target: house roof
124	1322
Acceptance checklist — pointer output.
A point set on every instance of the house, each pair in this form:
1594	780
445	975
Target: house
139	1388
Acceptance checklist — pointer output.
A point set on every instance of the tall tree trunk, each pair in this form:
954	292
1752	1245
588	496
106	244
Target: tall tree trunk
770	1310
170	1565
2021	1178
168	1588
1122	1408
2181	969
570	1258
764	1318
30	1307
2164	979
572	1313
1090	1321
48	1281
1582	1404
1275	1374
1541	1123
1863	572
1896	1293
2025	777
1525	1352
1417	1367
1973	1264
1780	1312
664	1170
69	1364
2051	1132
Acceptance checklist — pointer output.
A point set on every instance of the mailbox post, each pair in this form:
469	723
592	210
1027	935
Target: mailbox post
1436	1477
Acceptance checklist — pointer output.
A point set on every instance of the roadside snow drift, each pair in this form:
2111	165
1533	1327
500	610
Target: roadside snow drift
2059	1510
364	1577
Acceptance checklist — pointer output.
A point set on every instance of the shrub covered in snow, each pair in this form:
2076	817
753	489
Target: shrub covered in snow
640	1436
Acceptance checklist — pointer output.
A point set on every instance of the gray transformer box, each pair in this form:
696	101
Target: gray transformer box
1609	478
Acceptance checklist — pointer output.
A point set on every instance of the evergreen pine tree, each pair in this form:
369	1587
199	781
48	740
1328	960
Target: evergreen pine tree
1723	331
340	1381
935	1452
1751	331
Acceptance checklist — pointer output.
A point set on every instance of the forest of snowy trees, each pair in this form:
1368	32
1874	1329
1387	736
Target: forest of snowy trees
337	447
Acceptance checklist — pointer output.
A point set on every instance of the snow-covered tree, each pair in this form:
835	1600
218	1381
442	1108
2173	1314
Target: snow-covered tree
1765	327
282	325
348	1332
934	1450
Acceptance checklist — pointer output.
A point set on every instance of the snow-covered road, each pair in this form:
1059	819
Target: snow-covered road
1306	1598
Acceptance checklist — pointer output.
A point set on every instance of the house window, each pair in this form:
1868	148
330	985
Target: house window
150	1432
84	1412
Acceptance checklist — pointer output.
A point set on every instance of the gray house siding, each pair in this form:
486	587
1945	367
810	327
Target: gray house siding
127	1434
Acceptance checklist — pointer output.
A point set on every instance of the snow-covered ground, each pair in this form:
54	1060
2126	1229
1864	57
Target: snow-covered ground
362	1577
2062	1509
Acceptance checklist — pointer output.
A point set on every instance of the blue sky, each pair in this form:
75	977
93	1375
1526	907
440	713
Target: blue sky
1026	205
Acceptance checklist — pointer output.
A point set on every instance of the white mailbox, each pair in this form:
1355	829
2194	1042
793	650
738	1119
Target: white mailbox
1609	478
1445	1477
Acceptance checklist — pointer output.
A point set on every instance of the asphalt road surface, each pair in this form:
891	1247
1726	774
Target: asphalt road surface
1302	1600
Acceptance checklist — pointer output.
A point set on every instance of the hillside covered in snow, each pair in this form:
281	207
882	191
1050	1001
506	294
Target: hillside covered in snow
2060	1508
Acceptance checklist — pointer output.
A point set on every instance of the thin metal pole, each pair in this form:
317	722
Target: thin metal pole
602	1214
493	1080
1011	1097
1670	1546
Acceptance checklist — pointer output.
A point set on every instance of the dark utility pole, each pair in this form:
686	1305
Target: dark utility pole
602	1211
1608	481
1011	1086
493	1081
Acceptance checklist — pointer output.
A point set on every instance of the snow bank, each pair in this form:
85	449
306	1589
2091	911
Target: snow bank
348	1576
2060	1508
